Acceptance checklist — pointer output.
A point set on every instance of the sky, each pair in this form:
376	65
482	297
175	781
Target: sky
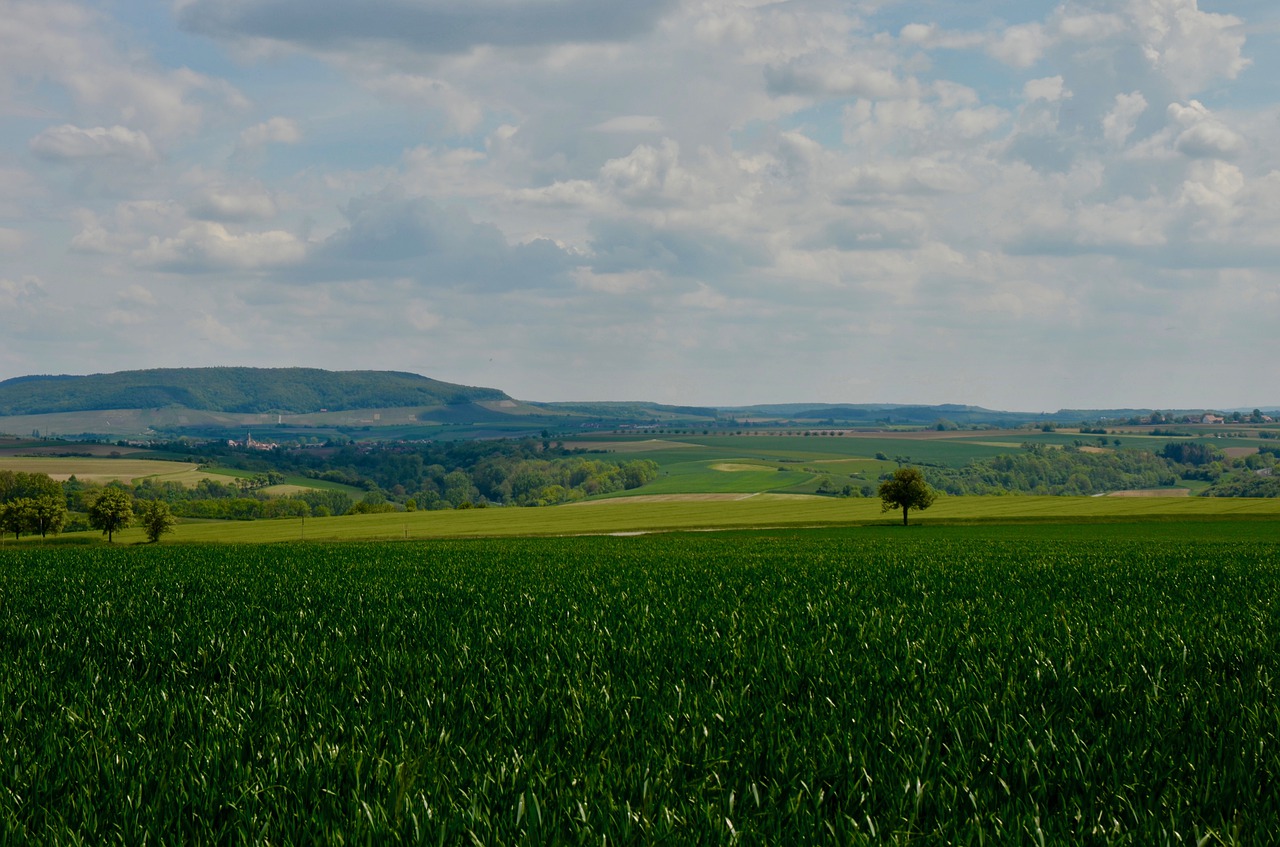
1017	204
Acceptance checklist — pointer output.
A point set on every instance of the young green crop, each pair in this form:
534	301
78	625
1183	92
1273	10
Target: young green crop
761	688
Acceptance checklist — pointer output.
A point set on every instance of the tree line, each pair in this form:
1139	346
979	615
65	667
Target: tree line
1071	470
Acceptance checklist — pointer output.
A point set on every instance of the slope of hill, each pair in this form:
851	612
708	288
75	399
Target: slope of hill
233	390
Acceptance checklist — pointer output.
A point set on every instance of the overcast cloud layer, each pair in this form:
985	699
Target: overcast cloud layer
1014	203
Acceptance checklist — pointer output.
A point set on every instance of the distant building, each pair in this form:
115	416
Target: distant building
250	444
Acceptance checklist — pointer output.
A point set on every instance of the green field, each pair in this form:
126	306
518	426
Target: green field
1057	683
690	463
631	515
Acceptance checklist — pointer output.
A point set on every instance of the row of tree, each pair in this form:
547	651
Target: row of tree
109	509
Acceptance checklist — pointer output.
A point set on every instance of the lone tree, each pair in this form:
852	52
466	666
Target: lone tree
156	520
111	511
906	490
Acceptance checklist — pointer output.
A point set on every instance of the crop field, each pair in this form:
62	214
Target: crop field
97	469
961	685
694	512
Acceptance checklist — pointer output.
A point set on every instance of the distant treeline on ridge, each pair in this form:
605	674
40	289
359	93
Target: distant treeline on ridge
233	390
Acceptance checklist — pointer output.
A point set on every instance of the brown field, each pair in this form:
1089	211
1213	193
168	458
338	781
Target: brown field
1239	452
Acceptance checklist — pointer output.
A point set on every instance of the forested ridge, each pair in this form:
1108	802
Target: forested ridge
233	389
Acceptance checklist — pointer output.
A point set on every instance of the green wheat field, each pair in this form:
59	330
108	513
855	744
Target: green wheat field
1088	683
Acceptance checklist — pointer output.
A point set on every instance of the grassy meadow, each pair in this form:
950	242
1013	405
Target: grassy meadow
702	512
1063	682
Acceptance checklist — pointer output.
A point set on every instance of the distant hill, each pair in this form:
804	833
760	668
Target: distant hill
639	411
233	390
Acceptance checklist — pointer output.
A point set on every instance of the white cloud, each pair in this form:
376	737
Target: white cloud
1020	46
433	27
463	112
84	53
12	240
1190	47
69	142
664	176
277	130
1205	136
208	328
208	246
138	295
1049	89
1120	122
421	317
627	124
228	204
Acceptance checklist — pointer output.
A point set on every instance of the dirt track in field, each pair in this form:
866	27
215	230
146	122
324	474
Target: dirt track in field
1154	492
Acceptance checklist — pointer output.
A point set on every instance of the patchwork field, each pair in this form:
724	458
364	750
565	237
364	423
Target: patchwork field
1106	683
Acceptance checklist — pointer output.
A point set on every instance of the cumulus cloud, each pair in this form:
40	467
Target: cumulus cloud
664	175
464	113
1189	46
435	25
834	76
390	235
230	204
205	247
277	130
1049	89
1204	135
21	294
1020	46
83	52
69	142
1120	122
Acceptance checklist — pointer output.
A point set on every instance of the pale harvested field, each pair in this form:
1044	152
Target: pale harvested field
1239	452
1153	492
735	467
105	470
284	490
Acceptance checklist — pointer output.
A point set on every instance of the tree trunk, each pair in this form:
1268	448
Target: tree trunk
904	515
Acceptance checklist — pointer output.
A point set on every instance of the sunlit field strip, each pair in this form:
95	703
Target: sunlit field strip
621	516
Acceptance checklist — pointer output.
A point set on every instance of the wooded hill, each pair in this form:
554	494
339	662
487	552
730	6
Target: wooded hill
233	390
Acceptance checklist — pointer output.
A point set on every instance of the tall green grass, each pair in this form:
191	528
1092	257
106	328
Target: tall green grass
770	688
